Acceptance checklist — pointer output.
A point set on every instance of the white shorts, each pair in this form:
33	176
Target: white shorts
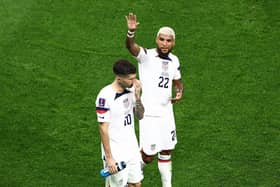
157	133
131	174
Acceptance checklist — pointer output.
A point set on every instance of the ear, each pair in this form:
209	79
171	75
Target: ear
118	78
156	40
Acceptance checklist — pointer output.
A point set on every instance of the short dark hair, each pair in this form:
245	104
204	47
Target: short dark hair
123	67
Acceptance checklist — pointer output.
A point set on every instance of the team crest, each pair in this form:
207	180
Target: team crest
153	147
164	66
120	182
125	103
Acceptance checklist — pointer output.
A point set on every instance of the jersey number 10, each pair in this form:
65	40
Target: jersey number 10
127	120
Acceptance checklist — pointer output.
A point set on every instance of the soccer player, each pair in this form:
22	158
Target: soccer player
116	105
159	72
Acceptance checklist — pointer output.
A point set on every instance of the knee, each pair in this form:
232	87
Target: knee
147	158
134	185
166	152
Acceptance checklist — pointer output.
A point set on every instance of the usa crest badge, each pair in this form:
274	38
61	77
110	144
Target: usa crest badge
164	66
126	103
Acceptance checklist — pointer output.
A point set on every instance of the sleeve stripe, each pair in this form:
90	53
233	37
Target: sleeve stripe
100	110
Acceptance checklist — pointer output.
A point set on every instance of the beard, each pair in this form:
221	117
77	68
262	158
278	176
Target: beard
124	85
163	54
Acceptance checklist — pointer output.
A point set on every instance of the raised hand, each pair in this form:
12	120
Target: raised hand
131	22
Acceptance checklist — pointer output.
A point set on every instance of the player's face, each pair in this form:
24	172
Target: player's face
164	43
127	81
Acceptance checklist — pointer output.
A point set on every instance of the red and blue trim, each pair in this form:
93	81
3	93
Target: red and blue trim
101	110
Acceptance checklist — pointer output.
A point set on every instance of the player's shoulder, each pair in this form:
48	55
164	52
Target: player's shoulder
106	91
148	51
105	96
173	57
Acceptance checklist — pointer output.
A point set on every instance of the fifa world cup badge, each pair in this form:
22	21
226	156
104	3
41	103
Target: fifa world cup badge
101	102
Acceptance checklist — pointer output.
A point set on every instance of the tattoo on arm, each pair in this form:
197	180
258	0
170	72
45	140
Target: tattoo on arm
178	86
139	109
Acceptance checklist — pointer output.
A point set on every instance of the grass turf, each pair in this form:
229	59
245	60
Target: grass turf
56	55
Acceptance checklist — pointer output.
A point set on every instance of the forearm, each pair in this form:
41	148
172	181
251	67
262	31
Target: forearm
178	86
131	44
104	135
139	109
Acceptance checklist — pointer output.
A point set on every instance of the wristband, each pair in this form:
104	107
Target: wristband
130	34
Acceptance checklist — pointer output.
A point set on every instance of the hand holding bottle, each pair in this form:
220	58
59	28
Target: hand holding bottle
106	171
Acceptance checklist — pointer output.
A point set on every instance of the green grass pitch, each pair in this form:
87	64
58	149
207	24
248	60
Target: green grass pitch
56	55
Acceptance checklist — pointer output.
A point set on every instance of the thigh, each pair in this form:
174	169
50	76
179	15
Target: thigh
118	179
157	133
168	138
149	132
135	174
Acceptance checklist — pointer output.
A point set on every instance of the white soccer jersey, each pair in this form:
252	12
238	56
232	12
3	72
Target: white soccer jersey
117	109
157	128
156	74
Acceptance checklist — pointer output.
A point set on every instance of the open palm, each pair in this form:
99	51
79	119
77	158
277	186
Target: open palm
131	22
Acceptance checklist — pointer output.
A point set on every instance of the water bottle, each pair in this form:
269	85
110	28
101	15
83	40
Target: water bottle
105	172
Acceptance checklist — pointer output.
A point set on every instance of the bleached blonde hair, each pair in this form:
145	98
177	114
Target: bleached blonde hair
167	31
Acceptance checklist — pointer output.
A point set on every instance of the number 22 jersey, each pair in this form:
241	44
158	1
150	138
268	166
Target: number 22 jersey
156	74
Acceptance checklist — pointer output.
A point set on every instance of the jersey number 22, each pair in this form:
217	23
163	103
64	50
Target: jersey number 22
163	83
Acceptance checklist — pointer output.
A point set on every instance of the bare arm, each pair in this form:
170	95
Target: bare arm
130	37
139	108
104	134
178	85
